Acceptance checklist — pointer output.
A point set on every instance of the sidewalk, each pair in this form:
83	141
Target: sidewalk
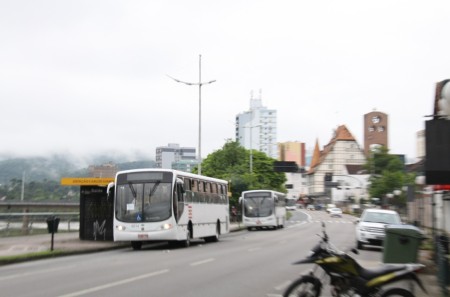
428	276
65	242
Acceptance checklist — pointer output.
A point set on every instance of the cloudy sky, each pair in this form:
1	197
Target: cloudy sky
92	76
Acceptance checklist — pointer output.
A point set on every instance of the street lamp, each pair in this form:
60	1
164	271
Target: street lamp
389	196
251	150
199	84
361	183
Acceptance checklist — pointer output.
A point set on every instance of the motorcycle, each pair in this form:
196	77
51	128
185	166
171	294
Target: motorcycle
347	278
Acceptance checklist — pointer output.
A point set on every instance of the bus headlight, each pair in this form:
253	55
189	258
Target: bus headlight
166	226
120	228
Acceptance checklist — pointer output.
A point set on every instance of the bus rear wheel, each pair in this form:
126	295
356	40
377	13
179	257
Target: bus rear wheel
215	237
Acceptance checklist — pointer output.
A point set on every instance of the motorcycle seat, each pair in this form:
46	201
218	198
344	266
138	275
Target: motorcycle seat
375	272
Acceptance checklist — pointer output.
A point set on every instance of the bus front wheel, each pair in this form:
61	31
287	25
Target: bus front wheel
136	245
187	242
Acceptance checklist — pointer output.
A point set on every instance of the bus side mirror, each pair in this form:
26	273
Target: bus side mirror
110	190
240	200
180	185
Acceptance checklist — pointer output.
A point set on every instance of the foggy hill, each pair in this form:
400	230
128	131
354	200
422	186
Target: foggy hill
56	166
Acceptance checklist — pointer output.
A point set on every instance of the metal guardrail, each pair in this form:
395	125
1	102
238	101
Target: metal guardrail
9	204
28	221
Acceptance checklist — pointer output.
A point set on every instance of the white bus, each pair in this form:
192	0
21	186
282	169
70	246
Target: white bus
168	205
263	209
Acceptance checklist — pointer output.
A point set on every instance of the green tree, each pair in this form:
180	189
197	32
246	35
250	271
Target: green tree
387	175
232	163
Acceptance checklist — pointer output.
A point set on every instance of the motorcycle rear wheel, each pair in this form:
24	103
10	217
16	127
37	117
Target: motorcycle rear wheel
306	286
397	292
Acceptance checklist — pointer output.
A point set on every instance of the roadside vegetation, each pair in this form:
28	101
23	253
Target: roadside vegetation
232	163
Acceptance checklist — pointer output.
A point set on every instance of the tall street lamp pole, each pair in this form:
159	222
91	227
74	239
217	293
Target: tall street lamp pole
199	84
251	149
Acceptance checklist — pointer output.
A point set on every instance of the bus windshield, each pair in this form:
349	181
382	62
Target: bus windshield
291	202
143	201
258	205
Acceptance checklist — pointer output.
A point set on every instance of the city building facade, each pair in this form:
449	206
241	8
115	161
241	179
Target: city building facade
174	156
420	144
105	170
296	182
330	167
292	151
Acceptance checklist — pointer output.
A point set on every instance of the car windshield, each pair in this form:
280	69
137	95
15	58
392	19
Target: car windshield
381	217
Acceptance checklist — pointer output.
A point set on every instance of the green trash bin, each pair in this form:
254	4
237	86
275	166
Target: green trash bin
401	244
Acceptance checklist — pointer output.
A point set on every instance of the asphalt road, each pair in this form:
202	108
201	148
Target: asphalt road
244	263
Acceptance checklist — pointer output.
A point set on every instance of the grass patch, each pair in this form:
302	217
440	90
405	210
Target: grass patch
288	215
18	232
28	257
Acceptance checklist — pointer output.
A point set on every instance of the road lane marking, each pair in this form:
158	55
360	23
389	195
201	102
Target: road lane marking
202	262
115	284
20	275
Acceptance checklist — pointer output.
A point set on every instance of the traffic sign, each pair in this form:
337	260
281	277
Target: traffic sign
86	181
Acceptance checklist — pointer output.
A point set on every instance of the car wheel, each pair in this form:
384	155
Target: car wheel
359	245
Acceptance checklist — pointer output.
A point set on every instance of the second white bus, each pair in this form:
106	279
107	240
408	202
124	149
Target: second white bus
263	209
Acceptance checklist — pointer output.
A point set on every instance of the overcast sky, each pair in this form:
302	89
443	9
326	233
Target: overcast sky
91	76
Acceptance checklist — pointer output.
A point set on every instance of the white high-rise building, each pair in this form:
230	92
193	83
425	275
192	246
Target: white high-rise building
257	128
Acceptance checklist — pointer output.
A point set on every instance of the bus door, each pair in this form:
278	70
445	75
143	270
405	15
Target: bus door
178	199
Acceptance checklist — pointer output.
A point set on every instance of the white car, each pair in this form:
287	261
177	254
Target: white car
371	227
329	207
335	212
291	207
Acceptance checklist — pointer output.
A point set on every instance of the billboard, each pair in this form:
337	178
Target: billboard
437	161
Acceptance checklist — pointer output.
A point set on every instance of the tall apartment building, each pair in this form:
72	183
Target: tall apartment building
169	156
257	128
375	130
420	144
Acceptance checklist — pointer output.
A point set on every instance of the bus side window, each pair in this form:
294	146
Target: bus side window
208	196
195	191
215	193
223	194
201	191
188	190
187	184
